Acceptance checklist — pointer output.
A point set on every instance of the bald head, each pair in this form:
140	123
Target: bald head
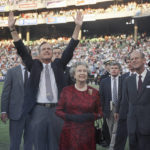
141	54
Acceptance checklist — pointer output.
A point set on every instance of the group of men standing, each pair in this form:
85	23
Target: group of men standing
126	103
34	86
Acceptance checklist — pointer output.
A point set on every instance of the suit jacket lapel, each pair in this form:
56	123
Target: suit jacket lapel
133	85
19	76
109	87
55	74
119	87
147	78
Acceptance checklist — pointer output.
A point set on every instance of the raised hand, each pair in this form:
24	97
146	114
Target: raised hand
11	20
79	18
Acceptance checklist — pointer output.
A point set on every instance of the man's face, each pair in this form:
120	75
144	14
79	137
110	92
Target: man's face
107	67
57	53
129	65
137	61
46	52
114	70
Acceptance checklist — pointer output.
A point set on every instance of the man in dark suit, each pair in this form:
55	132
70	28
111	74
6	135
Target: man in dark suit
44	86
136	95
105	129
110	90
12	100
121	135
57	53
106	71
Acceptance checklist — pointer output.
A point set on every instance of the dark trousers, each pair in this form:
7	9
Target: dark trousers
46	127
105	131
17	129
139	142
121	135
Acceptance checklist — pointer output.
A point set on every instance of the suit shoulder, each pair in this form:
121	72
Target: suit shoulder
125	75
37	61
105	79
57	61
129	78
148	71
13	68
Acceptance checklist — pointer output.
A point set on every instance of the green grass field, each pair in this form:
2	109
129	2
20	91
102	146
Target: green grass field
4	133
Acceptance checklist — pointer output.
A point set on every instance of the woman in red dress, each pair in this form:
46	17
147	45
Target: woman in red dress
79	106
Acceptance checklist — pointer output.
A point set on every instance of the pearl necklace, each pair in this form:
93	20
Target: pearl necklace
81	89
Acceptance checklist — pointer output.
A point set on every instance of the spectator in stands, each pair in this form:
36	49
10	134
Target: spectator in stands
79	106
44	86
123	44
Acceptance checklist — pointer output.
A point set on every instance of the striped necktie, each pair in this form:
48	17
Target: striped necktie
49	92
115	96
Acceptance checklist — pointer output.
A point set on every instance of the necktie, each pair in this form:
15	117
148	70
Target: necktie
115	96
139	83
25	77
49	93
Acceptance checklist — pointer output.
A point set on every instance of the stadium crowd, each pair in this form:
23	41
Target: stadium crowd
125	8
121	102
94	50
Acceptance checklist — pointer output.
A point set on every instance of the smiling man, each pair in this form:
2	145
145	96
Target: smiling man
44	86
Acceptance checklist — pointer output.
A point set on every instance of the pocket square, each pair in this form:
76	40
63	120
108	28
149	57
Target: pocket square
147	86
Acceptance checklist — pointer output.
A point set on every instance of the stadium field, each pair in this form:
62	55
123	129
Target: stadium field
4	134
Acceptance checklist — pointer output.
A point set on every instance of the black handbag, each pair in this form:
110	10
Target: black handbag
98	132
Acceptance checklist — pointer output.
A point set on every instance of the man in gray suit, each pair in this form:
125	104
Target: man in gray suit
137	96
12	100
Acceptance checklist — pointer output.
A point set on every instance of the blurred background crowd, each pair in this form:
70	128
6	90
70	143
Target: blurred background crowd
95	51
115	8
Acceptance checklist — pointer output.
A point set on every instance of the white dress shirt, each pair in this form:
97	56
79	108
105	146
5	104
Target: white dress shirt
41	96
23	70
130	73
143	77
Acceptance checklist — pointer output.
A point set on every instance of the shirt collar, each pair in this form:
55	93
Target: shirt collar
114	77
22	67
130	73
49	65
143	74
